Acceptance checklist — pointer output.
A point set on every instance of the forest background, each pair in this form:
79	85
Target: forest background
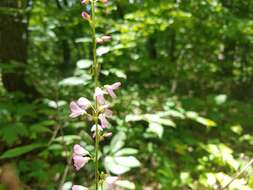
184	112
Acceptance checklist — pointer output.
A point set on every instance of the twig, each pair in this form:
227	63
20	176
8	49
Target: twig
238	174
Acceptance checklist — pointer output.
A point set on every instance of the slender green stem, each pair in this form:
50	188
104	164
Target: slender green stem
96	156
96	76
95	63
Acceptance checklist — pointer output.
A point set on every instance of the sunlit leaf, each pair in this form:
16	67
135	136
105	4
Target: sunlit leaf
155	128
125	184
117	142
84	63
128	161
115	167
126	151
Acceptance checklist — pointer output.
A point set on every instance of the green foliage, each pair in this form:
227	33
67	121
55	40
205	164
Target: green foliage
19	151
183	118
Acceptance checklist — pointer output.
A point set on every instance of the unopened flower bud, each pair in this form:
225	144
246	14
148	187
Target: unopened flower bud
85	16
106	38
99	41
109	134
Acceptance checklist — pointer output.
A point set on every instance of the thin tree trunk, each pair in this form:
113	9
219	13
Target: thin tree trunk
13	46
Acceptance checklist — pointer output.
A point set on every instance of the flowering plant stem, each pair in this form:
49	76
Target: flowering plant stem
96	76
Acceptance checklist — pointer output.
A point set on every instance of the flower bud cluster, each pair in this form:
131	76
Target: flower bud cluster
100	111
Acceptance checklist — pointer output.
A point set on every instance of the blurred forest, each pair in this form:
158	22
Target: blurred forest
183	117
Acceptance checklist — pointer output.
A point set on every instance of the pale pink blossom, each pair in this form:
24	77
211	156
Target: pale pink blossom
110	89
99	95
103	121
85	16
84	103
79	150
106	135
110	181
79	187
79	108
108	112
106	38
75	110
79	161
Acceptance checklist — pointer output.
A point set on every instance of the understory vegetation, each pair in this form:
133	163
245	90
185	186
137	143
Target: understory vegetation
183	118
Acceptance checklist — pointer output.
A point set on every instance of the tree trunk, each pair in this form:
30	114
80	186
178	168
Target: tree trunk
13	46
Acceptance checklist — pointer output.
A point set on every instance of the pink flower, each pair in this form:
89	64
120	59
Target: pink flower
79	108
110	89
99	96
79	156
105	113
76	110
84	103
79	187
84	1
103	121
79	161
79	150
106	38
108	113
85	16
110	181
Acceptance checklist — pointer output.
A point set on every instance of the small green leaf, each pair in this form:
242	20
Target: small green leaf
114	167
206	122
156	128
126	151
84	63
20	150
125	184
68	139
74	81
102	50
117	142
128	161
134	118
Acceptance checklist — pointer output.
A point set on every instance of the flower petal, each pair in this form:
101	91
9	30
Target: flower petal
75	110
103	120
110	89
106	38
79	187
111	92
79	150
110	181
99	96
84	103
116	85
79	161
108	113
